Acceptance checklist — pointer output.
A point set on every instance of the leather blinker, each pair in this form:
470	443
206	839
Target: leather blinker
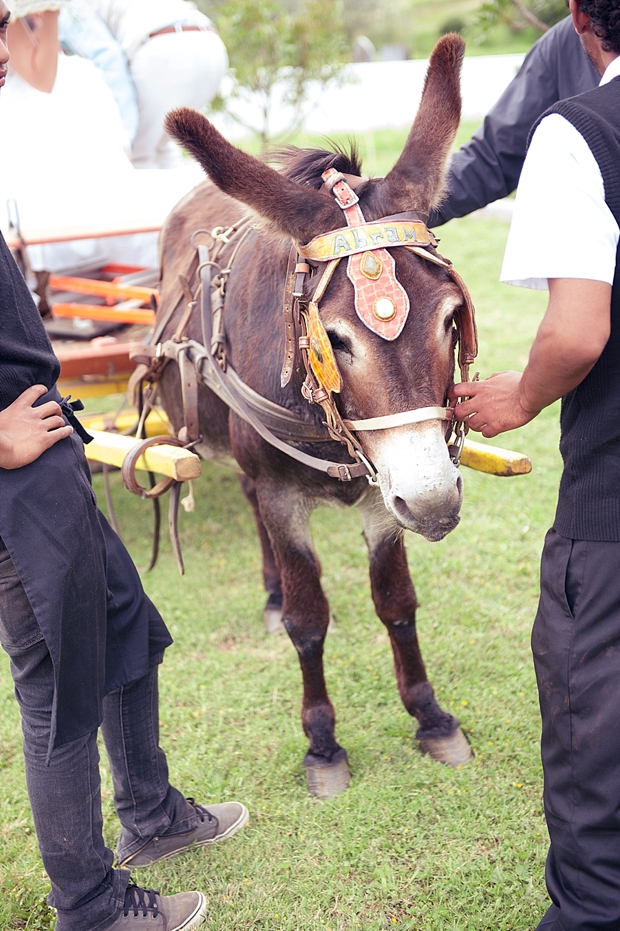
320	352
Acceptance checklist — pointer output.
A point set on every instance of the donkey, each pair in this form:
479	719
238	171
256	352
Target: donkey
415	483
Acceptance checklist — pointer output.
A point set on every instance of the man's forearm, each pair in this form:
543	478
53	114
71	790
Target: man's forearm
33	41
554	368
570	339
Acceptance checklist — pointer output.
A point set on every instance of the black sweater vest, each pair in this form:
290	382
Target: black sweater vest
589	500
26	355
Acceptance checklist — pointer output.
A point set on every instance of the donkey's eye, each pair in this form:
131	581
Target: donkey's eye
450	325
339	343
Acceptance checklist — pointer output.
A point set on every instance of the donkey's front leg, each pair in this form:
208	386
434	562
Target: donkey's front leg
305	614
395	602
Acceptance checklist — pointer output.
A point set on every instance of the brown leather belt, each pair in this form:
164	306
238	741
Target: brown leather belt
180	27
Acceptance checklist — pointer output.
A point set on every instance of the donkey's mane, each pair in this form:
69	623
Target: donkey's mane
305	166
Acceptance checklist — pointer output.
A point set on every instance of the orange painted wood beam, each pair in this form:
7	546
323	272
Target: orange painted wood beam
120	315
114	268
121	292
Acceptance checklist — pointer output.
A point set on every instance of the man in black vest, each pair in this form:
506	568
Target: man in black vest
85	643
570	189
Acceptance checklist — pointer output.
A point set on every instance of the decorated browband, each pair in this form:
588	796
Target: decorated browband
381	302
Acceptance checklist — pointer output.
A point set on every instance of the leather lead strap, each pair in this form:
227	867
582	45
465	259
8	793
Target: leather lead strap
173	524
189	390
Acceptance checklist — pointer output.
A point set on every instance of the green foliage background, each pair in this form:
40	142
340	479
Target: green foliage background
267	43
418	23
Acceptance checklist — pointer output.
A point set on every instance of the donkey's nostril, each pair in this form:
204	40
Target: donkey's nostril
402	510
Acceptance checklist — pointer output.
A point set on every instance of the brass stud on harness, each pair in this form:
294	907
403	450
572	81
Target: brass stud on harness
370	266
384	308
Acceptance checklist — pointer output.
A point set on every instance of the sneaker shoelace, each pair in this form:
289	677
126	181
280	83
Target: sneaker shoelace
200	810
136	900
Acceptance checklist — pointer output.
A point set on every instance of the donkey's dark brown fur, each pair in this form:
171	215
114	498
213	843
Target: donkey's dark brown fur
419	488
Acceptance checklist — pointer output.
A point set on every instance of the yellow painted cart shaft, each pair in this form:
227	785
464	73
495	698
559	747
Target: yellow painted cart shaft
494	460
111	448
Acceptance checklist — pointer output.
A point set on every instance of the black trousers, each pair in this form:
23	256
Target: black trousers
576	646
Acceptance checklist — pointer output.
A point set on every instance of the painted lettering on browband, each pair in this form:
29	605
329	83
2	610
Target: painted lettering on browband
388	234
341	245
344	242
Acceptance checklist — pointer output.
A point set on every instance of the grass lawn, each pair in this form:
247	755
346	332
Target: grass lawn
412	845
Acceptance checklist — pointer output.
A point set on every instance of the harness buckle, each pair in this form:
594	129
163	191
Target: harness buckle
455	449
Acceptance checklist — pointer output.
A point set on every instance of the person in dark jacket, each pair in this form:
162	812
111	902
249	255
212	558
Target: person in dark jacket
84	643
489	165
571	183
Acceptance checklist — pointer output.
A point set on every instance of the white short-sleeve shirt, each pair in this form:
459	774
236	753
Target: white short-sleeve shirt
561	226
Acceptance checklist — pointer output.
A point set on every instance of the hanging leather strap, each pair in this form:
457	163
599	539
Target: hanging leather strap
190	432
128	469
292	292
216	379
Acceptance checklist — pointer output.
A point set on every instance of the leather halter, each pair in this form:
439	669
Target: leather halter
408	230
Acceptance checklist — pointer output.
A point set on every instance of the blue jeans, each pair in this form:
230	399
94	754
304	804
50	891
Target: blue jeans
65	795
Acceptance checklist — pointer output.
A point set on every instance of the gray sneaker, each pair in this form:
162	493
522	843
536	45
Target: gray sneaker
147	909
215	823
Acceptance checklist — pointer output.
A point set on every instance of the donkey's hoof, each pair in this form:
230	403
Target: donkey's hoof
327	780
453	750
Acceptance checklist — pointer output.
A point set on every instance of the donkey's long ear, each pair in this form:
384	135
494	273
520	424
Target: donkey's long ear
297	210
416	180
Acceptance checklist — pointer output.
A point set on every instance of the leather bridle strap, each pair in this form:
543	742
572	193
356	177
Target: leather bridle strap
466	322
216	379
288	309
419	415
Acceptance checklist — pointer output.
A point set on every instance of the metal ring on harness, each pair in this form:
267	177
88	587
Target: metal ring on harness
128	469
197	233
